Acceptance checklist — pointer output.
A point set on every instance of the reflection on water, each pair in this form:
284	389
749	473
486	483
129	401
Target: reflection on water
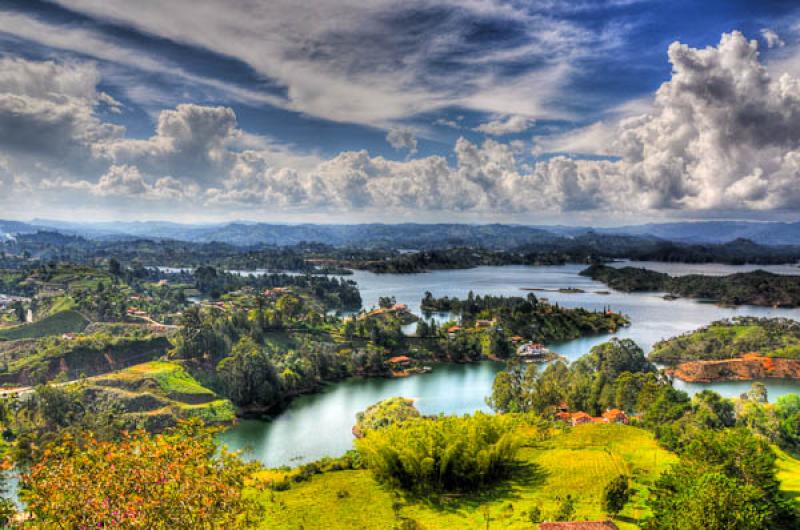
318	425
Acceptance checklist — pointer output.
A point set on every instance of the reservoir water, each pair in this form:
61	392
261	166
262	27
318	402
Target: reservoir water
319	425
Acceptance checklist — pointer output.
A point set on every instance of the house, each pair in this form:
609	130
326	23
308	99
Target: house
564	416
579	525
532	349
516	338
579	418
399	307
163	282
452	330
485	323
615	416
400	360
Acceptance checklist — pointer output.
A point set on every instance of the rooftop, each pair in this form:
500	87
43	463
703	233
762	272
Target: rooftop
579	525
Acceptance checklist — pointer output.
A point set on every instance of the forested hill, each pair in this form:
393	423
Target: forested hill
727	339
754	288
694	236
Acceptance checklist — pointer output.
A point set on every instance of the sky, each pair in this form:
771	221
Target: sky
583	112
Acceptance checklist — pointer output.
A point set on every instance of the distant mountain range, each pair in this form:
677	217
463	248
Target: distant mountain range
409	235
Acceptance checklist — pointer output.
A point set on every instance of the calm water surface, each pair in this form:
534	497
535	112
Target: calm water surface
318	425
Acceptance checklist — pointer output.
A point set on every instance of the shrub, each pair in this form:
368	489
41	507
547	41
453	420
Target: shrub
443	454
616	495
384	413
535	515
173	480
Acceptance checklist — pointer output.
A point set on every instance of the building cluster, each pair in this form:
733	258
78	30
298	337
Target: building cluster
276	292
532	350
6	301
580	417
578	525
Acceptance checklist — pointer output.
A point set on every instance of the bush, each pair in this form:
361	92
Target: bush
173	480
616	495
443	454
535	515
384	413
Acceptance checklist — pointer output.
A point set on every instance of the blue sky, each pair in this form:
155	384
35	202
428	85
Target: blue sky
349	110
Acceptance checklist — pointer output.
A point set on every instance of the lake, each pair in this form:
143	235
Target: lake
317	425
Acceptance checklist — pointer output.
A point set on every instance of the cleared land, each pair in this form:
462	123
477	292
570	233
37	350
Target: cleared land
56	324
160	392
579	462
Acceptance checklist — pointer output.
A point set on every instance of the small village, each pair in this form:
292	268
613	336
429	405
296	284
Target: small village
579	417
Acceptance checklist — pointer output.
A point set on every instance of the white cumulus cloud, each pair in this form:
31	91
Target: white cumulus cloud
508	125
402	139
722	134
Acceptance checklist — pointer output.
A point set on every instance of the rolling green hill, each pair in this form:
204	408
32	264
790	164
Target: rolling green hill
578	462
62	322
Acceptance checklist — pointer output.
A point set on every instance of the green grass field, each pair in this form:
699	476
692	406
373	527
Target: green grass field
579	462
172	378
789	474
186	397
62	322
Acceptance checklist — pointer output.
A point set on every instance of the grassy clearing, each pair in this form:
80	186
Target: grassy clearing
168	380
62	322
172	378
789	474
579	462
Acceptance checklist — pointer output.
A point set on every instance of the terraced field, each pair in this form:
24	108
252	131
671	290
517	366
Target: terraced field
159	392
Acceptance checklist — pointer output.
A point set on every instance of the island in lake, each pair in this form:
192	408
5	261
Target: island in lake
739	349
758	287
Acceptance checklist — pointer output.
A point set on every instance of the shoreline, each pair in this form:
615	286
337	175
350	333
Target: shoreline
747	368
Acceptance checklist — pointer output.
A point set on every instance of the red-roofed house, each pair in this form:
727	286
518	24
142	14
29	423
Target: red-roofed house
579	525
400	360
615	416
564	416
579	418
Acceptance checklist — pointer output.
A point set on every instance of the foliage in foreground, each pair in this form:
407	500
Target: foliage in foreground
725	480
577	462
442	454
173	480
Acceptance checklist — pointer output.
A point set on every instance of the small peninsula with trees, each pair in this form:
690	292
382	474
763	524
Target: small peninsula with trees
754	288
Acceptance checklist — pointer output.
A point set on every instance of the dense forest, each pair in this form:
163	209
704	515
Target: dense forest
526	317
318	257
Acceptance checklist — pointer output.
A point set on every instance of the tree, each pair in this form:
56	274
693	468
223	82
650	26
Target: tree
174	480
512	387
712	501
446	454
725	480
248	375
758	393
114	268
386	301
19	311
566	510
616	495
